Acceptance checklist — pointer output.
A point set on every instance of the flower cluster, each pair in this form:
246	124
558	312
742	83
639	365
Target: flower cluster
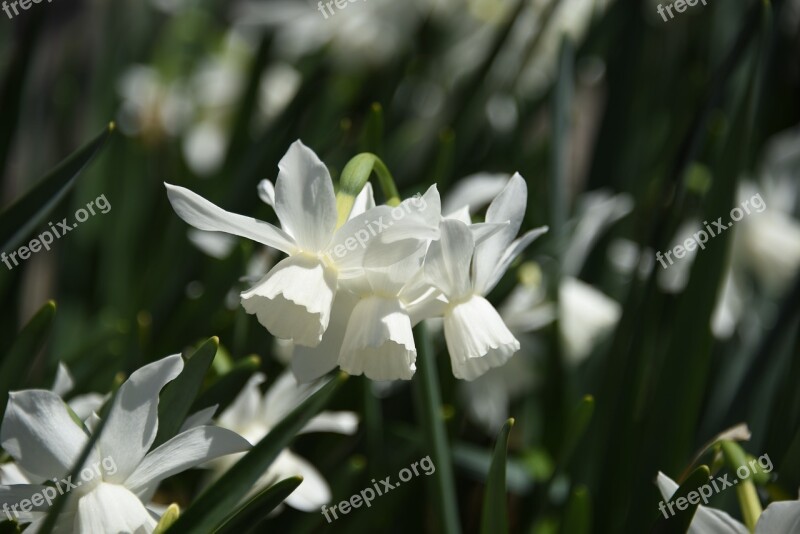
350	291
45	438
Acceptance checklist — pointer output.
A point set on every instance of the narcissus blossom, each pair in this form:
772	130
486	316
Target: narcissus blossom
778	518
477	338
253	414
293	300
46	442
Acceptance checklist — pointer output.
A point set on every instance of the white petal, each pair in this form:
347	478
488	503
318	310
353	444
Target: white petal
304	199
338	422
585	316
12	495
266	192
84	405
133	419
508	206
204	215
378	341
364	201
311	363
246	408
511	253
417	217
214	244
64	382
448	260
706	520
474	191
293	301
313	492
112	508
40	435
285	395
477	338
199	418
482	231
11	474
461	214
184	451
780	518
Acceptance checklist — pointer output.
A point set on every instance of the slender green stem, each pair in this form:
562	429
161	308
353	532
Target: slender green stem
355	175
431	414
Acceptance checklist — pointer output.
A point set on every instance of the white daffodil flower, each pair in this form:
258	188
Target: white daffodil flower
477	338
46	442
254	414
373	314
293	301
778	518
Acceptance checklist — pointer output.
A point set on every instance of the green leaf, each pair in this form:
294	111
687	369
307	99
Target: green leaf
430	407
372	134
212	507
580	421
578	513
177	398
679	523
223	392
14	365
18	221
252	513
495	509
9	527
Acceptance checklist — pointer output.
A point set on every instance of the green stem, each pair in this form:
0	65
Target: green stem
355	175
431	414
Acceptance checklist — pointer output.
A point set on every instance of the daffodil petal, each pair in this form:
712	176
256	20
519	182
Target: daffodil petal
184	451
293	301
477	338
40	435
204	215
304	199
133	419
378	341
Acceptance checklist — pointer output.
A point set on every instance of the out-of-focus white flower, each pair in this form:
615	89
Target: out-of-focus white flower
477	338
362	33
778	518
254	414
585	316
45	442
152	106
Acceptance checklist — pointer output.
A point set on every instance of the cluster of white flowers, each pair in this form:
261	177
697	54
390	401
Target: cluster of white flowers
350	291
45	438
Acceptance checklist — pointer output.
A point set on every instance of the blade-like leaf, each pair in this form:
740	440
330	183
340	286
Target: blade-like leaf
250	514
495	510
226	388
213	506
178	396
61	501
18	221
578	514
15	363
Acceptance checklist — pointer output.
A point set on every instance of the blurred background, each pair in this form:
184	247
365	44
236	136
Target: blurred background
630	131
